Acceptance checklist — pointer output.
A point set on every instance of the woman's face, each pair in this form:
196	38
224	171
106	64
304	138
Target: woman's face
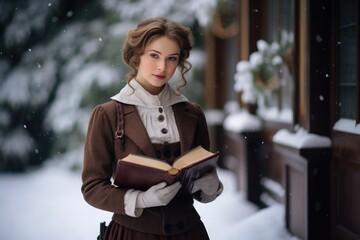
158	64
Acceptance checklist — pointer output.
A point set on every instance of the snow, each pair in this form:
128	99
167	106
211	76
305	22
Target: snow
214	117
5	118
274	187
284	115
347	125
301	139
32	18
15	90
120	28
47	204
242	121
179	11
231	106
18	143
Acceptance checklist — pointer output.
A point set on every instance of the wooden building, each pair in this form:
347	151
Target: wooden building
318	185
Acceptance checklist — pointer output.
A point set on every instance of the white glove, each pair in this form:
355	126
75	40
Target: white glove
208	184
157	195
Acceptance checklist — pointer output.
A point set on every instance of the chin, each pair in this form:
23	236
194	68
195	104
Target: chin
159	83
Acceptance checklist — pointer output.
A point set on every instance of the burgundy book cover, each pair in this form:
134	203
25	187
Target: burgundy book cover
132	175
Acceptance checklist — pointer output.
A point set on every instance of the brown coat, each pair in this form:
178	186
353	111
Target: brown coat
102	150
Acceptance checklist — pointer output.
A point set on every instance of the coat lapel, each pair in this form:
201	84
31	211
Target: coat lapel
186	123
135	130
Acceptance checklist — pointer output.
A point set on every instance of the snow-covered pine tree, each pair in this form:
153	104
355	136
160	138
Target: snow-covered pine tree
40	39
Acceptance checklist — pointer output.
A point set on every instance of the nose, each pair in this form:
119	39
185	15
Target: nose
161	66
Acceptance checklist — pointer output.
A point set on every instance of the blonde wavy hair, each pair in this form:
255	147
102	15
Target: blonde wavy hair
137	39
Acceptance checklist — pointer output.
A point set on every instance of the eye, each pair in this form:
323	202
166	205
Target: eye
154	55
173	58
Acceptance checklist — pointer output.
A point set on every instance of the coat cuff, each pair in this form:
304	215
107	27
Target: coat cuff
130	203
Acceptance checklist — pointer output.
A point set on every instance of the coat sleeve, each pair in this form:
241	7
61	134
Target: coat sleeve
98	164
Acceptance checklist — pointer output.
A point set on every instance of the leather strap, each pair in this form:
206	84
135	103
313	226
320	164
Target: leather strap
119	133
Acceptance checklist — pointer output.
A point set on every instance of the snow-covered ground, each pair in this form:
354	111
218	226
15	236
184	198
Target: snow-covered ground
47	204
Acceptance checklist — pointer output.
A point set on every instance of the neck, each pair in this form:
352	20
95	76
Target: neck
151	89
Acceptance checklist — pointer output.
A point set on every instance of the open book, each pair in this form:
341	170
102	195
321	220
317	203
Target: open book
142	172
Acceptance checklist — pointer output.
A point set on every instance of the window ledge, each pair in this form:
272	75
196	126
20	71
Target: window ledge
347	125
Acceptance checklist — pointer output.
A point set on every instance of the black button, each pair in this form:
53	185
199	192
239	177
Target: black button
161	118
160	110
164	131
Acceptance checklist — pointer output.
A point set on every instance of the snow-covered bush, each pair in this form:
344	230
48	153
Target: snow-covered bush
259	79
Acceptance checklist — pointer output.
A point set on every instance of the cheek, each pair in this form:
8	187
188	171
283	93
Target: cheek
146	65
150	65
172	67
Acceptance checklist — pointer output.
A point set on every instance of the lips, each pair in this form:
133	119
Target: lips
159	76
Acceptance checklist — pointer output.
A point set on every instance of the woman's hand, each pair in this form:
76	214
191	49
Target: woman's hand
157	195
208	184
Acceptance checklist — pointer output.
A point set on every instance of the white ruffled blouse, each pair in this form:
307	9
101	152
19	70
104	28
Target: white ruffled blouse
155	111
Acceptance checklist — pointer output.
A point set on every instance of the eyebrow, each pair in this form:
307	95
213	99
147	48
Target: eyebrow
161	53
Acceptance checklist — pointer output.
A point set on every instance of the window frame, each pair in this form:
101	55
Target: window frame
337	63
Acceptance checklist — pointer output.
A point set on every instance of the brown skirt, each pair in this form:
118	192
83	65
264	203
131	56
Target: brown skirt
116	231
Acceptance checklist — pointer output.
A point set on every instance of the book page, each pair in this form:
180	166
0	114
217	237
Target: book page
147	161
195	155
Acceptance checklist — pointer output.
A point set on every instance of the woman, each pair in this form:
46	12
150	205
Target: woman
158	122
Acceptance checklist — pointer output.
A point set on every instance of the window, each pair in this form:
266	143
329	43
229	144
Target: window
348	44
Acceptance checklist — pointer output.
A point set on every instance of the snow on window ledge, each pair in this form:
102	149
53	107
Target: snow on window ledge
301	139
347	125
242	121
274	114
214	117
